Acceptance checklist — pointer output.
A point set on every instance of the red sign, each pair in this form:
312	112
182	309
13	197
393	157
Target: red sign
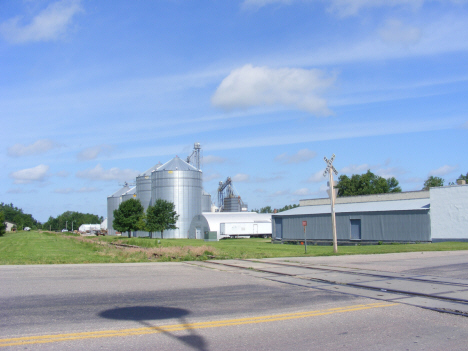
304	223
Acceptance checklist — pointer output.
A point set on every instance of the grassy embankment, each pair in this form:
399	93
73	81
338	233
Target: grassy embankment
51	248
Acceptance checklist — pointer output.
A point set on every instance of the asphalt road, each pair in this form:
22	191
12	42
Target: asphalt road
182	306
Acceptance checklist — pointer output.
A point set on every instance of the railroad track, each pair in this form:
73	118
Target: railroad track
435	293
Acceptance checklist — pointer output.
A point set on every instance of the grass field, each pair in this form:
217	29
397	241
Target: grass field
52	248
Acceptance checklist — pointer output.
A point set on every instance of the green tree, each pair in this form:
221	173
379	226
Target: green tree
161	216
2	224
366	184
128	214
266	209
288	207
71	220
433	182
16	215
464	177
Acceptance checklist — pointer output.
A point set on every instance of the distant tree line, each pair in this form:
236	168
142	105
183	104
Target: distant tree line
17	216
268	209
65	220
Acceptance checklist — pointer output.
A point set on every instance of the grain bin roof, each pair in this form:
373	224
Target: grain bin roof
381	206
176	164
152	169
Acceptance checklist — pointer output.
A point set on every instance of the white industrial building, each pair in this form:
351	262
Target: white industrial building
449	213
213	226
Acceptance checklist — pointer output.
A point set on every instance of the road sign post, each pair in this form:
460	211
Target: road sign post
304	224
330	170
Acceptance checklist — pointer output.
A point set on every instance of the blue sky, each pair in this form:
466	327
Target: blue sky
93	93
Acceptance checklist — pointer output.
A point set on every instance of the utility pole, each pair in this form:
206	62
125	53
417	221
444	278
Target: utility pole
330	170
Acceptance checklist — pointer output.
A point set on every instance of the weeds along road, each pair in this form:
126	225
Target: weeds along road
205	306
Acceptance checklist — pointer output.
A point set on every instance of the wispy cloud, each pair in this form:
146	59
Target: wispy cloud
302	192
444	170
251	86
210	159
395	32
303	155
39	147
344	8
317	177
71	190
99	173
29	175
49	24
241	177
93	152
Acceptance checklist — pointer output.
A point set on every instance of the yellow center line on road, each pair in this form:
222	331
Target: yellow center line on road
41	339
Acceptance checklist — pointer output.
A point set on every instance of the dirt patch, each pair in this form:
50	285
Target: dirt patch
158	253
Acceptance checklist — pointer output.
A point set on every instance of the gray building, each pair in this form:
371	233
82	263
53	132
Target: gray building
357	222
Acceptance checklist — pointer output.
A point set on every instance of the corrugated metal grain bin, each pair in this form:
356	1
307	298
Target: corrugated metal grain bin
113	203
180	183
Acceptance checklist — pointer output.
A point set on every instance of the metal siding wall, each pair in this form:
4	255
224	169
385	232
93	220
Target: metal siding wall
112	204
378	226
184	189
143	190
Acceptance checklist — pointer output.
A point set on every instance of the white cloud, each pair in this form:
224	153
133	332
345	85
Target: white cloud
344	8
21	191
303	155
212	159
251	86
355	169
88	190
212	176
256	4
49	24
39	147
93	152
29	175
99	173
302	192
444	170
317	177
280	193
62	174
241	177
63	191
395	32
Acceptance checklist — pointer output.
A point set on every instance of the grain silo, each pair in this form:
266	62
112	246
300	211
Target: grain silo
143	186
130	194
113	203
206	202
180	183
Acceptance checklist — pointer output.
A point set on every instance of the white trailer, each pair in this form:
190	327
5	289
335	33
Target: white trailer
246	229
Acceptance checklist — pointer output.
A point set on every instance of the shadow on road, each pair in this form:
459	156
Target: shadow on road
145	314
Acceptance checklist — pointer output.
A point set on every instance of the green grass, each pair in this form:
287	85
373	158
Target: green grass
49	248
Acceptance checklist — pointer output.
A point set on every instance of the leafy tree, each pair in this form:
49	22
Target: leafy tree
16	215
128	214
266	209
71	220
288	207
366	184
433	182
2	224
161	216
464	177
